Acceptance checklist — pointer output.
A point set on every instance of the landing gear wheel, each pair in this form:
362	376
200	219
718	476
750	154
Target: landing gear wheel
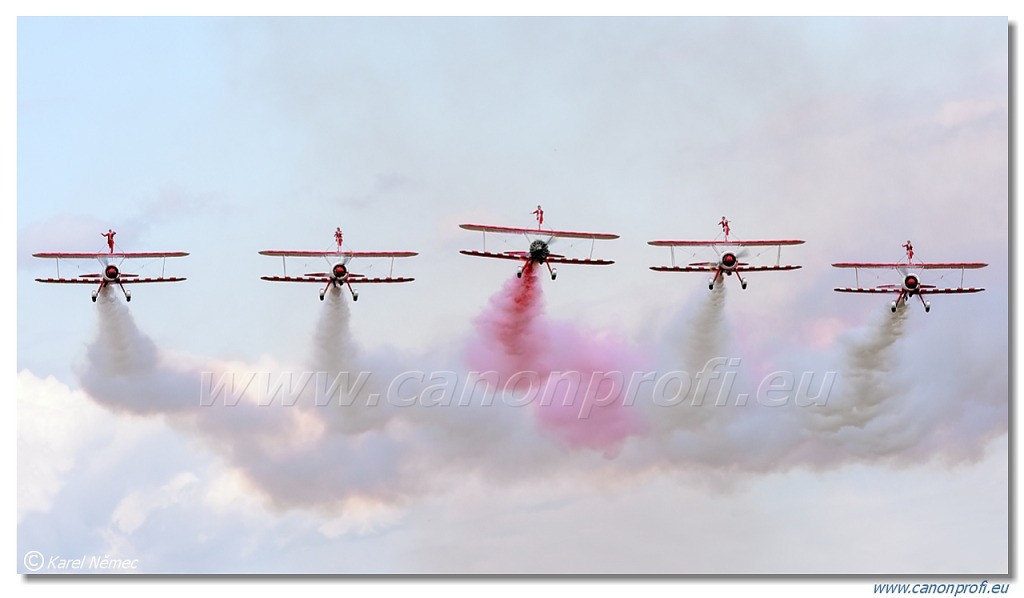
355	295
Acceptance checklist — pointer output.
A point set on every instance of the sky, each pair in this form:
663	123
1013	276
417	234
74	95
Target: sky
226	136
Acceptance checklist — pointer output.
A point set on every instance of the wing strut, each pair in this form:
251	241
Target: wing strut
778	256
484	233
672	249
592	241
284	266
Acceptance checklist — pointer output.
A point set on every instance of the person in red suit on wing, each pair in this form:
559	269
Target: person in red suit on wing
539	213
110	238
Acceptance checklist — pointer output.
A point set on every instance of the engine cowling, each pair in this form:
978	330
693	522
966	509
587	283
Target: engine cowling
729	260
911	282
111	272
339	271
539	250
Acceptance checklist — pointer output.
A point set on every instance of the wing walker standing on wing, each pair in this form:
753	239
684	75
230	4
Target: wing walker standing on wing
111	273
729	261
911	284
539	250
339	274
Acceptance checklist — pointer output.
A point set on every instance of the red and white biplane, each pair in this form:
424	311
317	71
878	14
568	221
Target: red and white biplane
729	261
911	283
111	273
338	274
539	250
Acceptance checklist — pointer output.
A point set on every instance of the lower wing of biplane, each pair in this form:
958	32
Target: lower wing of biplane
729	260
338	275
539	250
911	284
111	273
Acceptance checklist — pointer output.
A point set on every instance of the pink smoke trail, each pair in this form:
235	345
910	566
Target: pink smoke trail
576	382
509	339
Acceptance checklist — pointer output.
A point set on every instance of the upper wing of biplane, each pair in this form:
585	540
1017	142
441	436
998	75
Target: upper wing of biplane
322	278
346	253
511	230
119	255
912	266
755	243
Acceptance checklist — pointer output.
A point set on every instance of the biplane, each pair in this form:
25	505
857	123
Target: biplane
111	273
729	261
539	249
911	284
338	274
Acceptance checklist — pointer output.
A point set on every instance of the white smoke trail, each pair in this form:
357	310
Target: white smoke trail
123	369
318	456
700	341
349	396
334	350
869	376
705	338
293	453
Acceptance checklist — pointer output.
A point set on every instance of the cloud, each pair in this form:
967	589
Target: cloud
360	517
55	424
133	510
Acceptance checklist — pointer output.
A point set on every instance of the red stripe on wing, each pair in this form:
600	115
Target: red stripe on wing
863	290
507	255
952	291
684	268
130	280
